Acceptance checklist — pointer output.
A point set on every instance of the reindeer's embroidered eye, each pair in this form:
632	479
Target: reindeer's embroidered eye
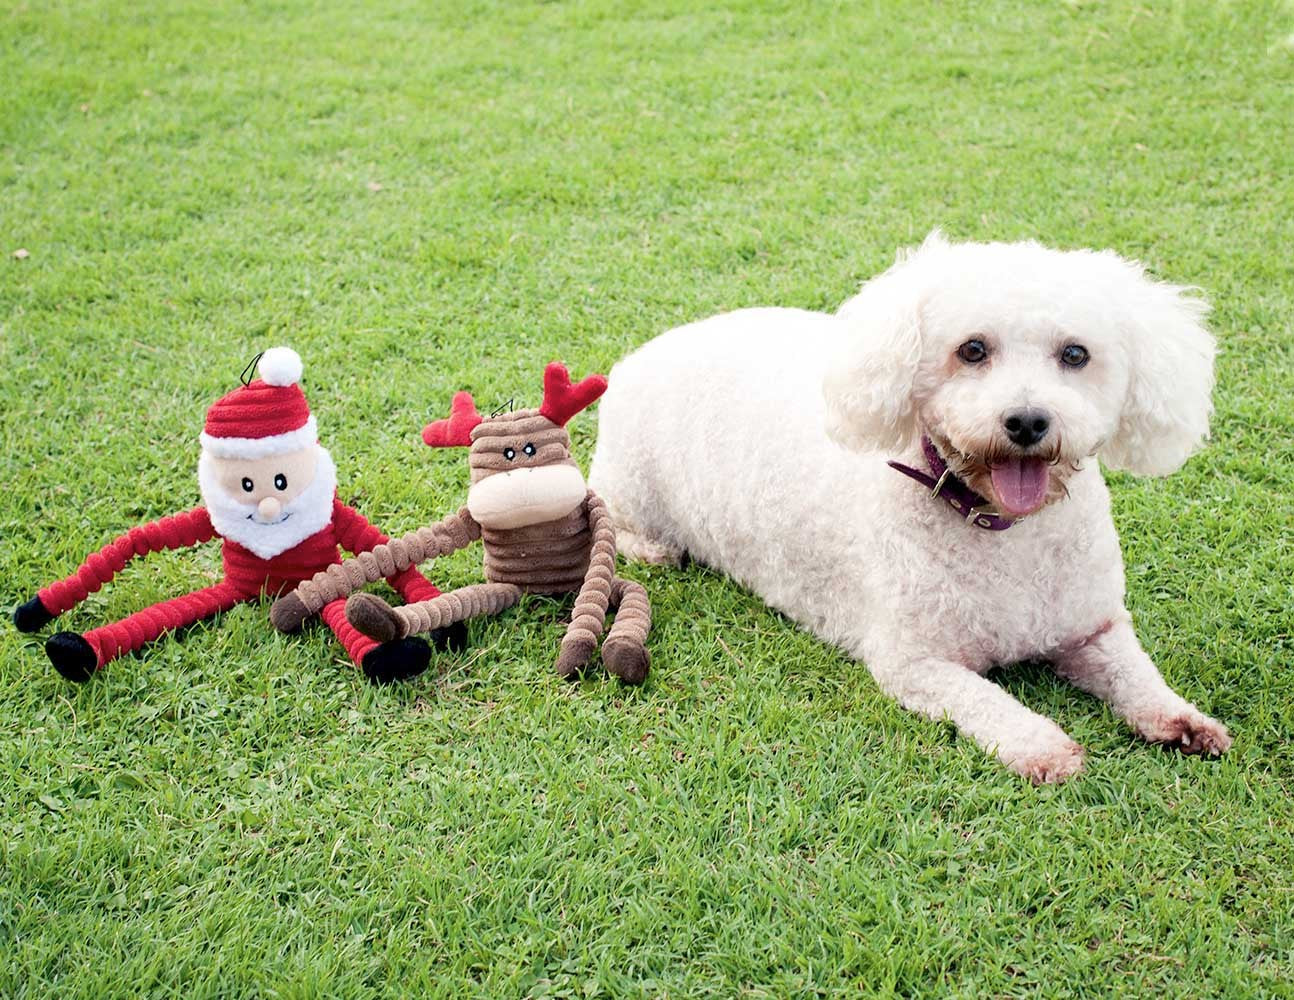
529	449
1074	356
280	482
509	453
972	352
248	485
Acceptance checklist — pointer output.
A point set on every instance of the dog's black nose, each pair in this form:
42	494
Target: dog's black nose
1027	427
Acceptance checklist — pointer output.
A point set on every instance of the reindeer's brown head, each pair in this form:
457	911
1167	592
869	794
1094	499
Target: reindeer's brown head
522	470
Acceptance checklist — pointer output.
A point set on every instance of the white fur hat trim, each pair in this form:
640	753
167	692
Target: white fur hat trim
253	448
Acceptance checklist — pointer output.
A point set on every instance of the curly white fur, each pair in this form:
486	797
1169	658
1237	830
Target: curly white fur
757	442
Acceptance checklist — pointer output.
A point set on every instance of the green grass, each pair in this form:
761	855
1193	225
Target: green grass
237	813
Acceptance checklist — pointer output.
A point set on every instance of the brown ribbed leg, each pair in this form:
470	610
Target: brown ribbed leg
590	612
624	650
587	619
374	617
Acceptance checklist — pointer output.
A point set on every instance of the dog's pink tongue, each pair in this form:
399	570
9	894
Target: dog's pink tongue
1021	485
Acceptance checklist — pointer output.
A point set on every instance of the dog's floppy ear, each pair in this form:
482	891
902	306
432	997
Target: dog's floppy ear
1165	416
869	386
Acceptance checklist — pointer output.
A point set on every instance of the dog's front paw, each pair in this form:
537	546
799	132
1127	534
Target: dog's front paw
1190	732
1049	765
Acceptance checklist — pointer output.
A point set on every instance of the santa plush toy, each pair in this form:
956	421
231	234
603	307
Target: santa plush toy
270	493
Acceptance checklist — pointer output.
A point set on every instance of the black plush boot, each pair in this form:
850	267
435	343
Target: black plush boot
31	616
451	637
72	656
396	660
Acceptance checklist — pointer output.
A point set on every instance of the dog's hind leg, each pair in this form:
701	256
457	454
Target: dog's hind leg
1027	743
640	548
1111	664
636	544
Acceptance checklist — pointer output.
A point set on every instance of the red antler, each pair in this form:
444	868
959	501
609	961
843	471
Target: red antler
563	400
456	432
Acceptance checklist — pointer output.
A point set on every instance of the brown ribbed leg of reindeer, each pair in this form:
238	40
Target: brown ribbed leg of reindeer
588	616
378	620
624	650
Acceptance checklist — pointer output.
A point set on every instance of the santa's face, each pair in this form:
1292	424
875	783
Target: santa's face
268	484
269	504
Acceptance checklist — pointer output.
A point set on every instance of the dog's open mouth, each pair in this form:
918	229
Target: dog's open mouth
1015	484
1021	484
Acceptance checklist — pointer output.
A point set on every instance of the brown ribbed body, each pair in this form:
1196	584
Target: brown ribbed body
548	558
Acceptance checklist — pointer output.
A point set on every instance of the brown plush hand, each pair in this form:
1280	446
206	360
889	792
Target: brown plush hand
289	612
374	617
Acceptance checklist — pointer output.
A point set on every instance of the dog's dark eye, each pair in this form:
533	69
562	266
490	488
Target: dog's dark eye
529	449
280	482
248	485
1074	355
509	453
972	352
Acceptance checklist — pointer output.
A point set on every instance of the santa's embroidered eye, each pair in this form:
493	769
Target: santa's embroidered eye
529	449
972	352
280	482
248	485
509	453
1074	355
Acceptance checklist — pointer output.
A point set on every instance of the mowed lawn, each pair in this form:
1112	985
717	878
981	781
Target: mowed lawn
424	198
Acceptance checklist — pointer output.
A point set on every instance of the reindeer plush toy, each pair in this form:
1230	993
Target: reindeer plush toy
544	531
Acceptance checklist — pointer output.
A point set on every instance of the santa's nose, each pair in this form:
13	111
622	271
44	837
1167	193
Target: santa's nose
269	509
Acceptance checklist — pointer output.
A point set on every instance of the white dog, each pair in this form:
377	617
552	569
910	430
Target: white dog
915	478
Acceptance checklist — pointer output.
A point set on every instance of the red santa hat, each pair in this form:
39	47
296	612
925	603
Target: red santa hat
268	416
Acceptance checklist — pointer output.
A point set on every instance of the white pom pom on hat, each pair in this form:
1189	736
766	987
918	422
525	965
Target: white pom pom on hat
280	366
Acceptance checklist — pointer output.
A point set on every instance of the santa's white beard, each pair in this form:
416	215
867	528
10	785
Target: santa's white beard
308	513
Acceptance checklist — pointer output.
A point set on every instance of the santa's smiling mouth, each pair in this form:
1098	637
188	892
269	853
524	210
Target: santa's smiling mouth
269	524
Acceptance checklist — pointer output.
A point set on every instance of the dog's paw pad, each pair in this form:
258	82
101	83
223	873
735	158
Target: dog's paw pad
1192	733
1050	766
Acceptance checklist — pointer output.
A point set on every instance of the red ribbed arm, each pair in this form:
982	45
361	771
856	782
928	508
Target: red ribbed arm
178	531
356	534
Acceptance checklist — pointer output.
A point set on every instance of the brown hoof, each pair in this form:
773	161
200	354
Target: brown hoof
574	657
627	660
288	613
373	616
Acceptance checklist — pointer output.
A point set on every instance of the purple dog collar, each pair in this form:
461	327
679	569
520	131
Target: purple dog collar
960	497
